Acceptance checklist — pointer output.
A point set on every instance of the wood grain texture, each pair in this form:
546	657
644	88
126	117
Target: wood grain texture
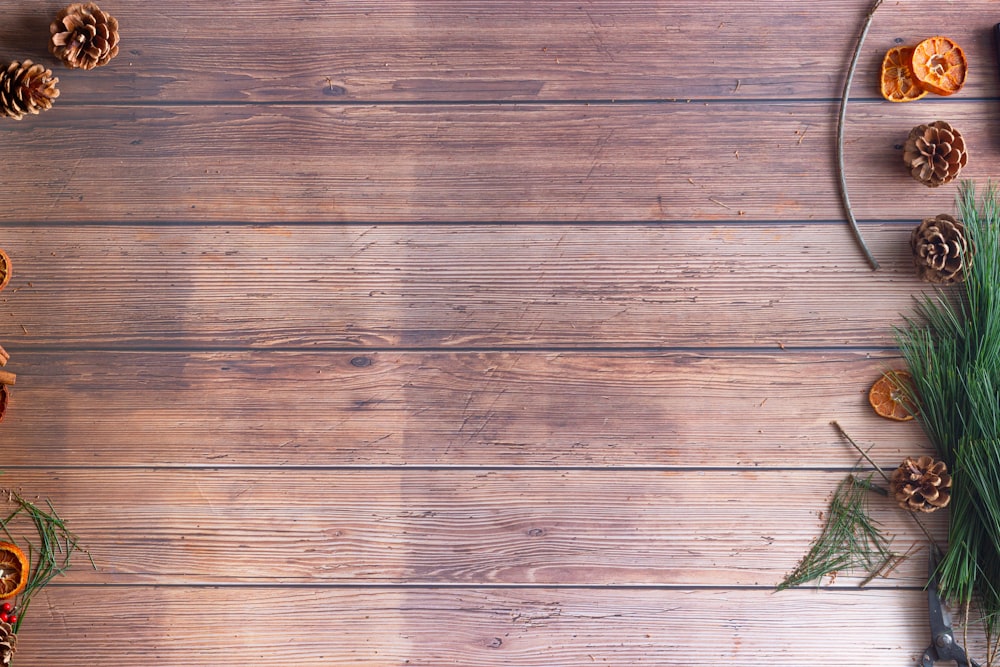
454	527
416	286
606	409
494	50
500	332
472	627
672	162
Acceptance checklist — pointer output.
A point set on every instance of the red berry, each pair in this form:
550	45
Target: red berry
7	607
12	619
4	617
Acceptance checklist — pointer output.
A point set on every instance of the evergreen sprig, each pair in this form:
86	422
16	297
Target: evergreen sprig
49	555
850	539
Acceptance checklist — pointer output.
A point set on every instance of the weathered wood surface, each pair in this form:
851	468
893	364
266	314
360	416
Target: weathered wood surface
761	408
473	627
496	50
672	162
485	333
576	528
453	286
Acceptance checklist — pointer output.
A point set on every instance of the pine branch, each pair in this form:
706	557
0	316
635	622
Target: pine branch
952	348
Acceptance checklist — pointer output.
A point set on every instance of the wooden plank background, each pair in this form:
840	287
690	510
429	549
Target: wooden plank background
480	333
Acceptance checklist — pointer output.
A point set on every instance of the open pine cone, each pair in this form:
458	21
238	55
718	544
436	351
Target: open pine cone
26	88
83	36
921	485
940	249
935	153
8	643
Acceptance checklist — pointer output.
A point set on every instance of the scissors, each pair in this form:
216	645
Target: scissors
943	645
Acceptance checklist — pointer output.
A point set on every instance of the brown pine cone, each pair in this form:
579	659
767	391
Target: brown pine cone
83	36
935	153
26	88
940	249
921	485
8	643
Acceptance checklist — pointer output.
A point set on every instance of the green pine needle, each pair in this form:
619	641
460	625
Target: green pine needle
952	348
850	540
49	553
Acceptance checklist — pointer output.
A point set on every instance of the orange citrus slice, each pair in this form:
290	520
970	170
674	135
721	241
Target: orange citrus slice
13	570
939	65
890	396
898	83
4	269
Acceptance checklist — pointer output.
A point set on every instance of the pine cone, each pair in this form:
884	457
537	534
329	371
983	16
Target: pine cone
935	153
8	643
83	36
26	88
940	249
921	485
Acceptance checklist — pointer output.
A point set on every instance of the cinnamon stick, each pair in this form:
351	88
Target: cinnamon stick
6	377
4	357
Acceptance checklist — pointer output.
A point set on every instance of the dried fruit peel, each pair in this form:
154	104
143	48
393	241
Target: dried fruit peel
13	570
939	65
897	83
890	399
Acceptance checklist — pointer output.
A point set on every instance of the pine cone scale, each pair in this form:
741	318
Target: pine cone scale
83	36
921	485
26	88
941	250
935	153
8	643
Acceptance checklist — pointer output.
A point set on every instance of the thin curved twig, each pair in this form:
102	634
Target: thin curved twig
840	138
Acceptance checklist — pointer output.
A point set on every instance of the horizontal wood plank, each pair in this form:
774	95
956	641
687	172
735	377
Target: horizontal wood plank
136	627
453	527
634	409
430	163
354	287
494	49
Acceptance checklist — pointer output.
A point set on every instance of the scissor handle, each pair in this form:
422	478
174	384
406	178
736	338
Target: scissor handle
996	41
945	648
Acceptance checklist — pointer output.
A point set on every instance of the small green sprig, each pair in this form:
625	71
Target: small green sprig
850	539
50	555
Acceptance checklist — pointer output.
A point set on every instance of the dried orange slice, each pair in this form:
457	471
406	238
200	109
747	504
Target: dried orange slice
4	269
898	83
939	65
13	570
890	396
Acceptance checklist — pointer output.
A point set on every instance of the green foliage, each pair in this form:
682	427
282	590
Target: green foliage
850	539
952	348
50	553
